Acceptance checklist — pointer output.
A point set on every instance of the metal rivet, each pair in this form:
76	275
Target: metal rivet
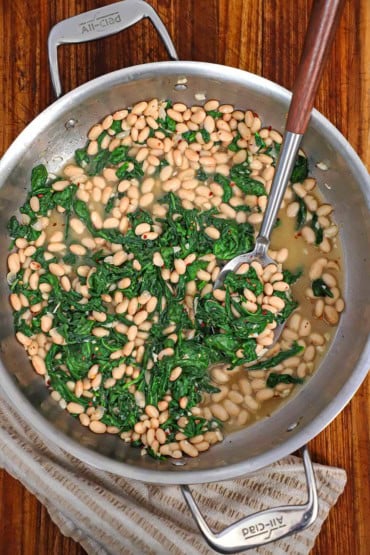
180	87
70	123
292	426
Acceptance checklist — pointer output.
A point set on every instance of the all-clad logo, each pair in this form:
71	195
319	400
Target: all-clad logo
100	23
264	529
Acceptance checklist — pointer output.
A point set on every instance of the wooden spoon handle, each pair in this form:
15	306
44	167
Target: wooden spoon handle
324	19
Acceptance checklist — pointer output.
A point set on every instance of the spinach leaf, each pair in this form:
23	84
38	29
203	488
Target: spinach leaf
250	280
301	214
223	343
225	184
95	164
102	136
274	379
116	126
82	211
259	141
118	155
300	170
320	289
39	178
239	173
136	171
250	186
233	146
58	381
214	114
189	136
98	162
205	135
167	125
65	198
235	239
277	359
81	157
120	407
291	277
201	175
19	230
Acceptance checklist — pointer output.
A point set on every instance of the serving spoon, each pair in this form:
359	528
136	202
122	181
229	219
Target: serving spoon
324	19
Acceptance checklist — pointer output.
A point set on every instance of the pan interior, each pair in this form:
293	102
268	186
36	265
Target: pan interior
52	139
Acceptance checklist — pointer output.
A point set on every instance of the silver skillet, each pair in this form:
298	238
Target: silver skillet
52	138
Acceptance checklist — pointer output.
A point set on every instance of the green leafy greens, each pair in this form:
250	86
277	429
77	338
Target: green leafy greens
320	289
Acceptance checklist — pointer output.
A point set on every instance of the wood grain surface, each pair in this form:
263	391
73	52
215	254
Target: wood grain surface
261	36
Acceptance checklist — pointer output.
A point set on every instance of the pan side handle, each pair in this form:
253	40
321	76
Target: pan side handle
101	23
263	527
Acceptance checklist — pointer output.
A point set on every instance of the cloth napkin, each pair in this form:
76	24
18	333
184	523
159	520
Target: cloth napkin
109	515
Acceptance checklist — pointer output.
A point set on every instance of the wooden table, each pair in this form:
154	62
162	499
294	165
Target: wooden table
261	36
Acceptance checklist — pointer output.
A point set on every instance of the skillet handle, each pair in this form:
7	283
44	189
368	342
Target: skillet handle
263	527
100	23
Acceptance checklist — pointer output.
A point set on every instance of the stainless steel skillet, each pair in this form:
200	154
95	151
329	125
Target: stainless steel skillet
61	128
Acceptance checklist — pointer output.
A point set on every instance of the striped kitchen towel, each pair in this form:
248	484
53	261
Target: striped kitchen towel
109	515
